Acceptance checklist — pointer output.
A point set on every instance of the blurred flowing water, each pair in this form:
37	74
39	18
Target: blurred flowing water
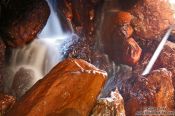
40	56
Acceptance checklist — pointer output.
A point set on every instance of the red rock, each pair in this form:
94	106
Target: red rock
131	52
123	18
30	18
6	103
112	106
117	40
154	90
151	18
167	59
71	88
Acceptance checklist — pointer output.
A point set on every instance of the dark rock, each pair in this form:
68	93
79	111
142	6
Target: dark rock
23	81
127	4
71	88
6	103
2	59
26	19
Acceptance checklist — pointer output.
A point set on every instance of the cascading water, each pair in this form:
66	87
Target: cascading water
39	57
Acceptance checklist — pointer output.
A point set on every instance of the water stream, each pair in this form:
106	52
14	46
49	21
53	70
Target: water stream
39	57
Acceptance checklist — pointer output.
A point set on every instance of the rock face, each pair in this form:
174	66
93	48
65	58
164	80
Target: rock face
71	88
2	58
131	52
167	59
112	106
155	90
26	19
22	81
151	18
83	17
117	41
6	102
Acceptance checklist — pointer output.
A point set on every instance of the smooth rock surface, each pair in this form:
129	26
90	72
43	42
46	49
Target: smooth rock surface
71	88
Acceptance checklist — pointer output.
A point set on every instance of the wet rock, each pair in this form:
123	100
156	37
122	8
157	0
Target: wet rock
103	62
22	82
118	43
167	59
6	103
81	14
111	106
80	49
2	58
149	23
71	88
29	19
120	74
131	52
141	65
83	17
154	90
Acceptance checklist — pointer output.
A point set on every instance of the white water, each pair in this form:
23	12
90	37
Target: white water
43	53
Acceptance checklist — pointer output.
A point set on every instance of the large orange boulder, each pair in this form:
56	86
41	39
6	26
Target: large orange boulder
71	88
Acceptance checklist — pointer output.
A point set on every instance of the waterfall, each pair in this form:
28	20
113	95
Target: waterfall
34	61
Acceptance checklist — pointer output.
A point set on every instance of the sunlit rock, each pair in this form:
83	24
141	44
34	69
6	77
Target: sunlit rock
71	88
111	106
154	90
123	18
6	103
27	19
23	80
151	18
